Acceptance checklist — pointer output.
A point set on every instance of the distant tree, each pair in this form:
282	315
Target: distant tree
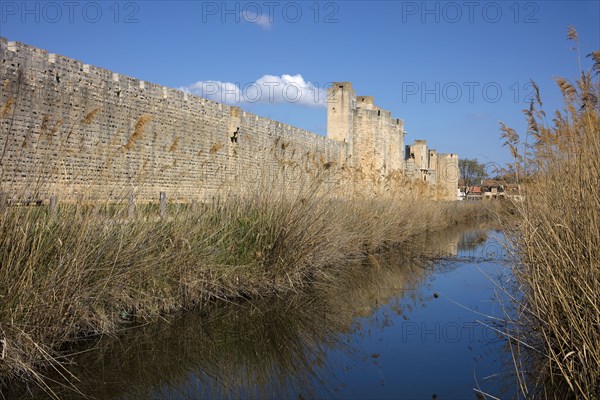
471	171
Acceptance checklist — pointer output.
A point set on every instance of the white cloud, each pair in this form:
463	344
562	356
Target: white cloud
266	89
261	19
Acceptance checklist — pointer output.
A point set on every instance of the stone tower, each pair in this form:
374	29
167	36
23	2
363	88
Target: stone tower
341	103
448	174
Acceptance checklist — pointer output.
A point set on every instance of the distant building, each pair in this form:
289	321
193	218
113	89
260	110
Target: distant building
490	189
473	193
493	189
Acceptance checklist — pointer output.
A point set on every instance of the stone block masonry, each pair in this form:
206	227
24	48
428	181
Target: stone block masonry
85	132
375	143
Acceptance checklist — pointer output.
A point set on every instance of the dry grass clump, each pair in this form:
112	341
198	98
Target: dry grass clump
138	131
215	148
90	116
6	107
558	241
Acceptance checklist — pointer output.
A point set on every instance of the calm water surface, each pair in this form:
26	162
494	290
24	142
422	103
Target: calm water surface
396	326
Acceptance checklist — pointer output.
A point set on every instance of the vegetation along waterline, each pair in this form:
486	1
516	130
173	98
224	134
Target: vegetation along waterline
89	268
302	345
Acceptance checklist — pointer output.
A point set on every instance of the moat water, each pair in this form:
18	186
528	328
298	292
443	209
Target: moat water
398	326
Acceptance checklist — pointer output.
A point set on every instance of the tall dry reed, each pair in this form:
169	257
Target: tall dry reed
557	354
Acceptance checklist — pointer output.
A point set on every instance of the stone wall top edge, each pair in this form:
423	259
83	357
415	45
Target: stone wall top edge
21	46
387	115
151	87
366	99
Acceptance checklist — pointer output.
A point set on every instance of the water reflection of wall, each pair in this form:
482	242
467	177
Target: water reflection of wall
265	348
451	241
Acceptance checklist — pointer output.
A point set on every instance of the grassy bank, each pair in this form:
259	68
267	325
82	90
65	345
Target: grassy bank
558	240
258	349
89	269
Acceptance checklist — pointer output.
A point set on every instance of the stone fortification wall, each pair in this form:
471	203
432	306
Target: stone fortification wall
80	131
75	129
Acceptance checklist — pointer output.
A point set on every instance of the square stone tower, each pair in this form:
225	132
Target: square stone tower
341	103
374	139
448	174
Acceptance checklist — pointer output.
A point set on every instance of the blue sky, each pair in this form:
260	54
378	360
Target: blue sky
451	70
